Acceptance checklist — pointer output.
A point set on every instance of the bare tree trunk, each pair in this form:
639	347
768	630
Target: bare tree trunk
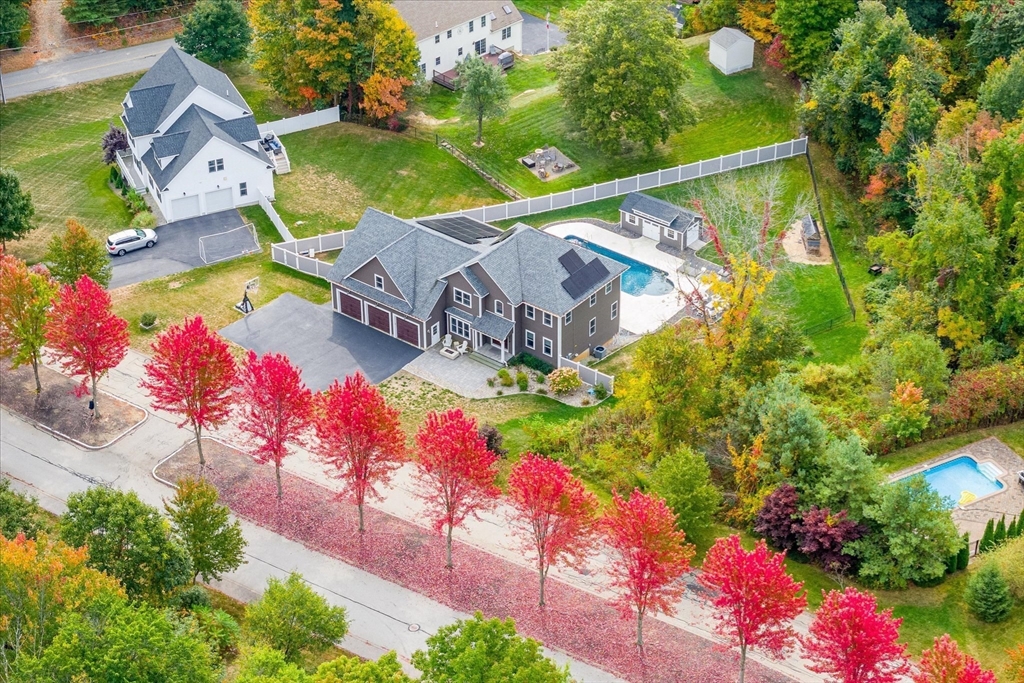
199	446
479	130
448	549
35	370
361	527
640	630
95	403
543	575
743	661
277	473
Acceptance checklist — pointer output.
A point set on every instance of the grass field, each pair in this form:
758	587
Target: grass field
52	141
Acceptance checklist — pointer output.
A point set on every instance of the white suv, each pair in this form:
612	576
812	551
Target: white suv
121	243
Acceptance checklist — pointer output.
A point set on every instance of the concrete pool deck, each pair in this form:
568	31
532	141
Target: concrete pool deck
973	517
645	313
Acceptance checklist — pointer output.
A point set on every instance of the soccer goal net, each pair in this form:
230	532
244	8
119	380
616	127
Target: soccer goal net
229	244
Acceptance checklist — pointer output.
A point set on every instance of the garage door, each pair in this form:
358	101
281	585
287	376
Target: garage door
219	200
351	306
185	207
380	319
408	332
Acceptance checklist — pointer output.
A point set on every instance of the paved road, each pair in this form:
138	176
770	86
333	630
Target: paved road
537	38
83	67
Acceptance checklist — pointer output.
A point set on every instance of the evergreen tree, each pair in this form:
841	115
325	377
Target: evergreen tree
951	562
1013	531
13	18
988	594
215	31
964	556
1000	533
987	537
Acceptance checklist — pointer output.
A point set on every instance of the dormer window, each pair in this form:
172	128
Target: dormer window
378	282
463	298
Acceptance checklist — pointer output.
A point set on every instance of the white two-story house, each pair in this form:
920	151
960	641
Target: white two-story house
448	31
193	142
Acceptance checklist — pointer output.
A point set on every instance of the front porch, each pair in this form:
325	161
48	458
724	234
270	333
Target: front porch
489	335
131	175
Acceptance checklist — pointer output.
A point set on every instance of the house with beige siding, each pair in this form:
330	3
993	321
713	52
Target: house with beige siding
502	292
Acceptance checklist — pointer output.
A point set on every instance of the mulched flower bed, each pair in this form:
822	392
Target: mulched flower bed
58	408
583	625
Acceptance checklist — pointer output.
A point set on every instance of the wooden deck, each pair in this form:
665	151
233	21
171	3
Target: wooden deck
447	79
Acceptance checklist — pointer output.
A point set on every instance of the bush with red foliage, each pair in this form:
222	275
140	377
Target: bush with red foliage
981	398
778	517
850	641
822	535
945	663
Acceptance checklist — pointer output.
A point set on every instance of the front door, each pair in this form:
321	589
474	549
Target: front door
435	333
652	230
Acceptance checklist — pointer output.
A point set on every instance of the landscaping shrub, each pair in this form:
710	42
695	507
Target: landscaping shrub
981	398
499	392
147	320
219	628
524	382
191	598
988	594
564	380
490	381
115	176
1000	533
494	439
542	391
531	362
540	378
136	204
143	219
777	518
963	558
987	538
600	393
1008	559
505	378
585	402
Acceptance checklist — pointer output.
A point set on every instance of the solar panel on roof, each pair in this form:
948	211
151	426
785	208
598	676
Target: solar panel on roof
461	228
585	278
571	261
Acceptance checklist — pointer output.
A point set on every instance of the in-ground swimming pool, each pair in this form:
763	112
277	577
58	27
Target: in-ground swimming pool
962	480
640	279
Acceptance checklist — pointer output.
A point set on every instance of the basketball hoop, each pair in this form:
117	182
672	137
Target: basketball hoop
245	306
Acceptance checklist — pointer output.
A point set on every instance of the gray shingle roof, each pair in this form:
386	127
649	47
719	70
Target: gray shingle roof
810	227
166	85
188	136
674	216
490	324
727	37
427	18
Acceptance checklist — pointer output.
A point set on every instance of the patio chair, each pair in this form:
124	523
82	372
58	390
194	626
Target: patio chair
447	341
462	347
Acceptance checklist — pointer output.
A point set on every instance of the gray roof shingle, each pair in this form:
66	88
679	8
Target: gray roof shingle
430	17
667	212
166	85
490	324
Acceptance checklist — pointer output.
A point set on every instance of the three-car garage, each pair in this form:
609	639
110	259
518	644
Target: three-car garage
377	317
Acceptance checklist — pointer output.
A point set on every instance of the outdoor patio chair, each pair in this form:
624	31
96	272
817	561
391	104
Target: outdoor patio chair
447	341
462	347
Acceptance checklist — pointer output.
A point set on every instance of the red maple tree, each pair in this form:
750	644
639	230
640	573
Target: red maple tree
274	405
84	334
651	556
455	471
850	641
191	374
755	600
554	512
945	663
360	436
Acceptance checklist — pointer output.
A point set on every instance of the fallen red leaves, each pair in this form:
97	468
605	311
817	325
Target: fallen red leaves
583	625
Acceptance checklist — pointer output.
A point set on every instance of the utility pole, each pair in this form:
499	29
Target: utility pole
547	28
3	98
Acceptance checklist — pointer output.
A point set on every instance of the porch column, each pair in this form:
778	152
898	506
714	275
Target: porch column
502	349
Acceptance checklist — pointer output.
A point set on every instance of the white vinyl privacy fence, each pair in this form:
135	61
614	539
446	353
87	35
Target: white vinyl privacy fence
588	374
268	208
301	122
637	183
295	253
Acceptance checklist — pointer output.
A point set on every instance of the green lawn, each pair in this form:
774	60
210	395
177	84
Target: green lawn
52	141
531	78
539	8
265	104
341	169
1012	435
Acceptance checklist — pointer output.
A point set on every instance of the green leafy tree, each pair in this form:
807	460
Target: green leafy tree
94	12
275	48
849	478
19	514
26	295
622	72
13	18
213	542
712	15
292	618
1003	90
16	208
215	31
485	651
74	253
262	664
683	479
913	357
386	669
911	536
485	92
997	30
114	640
807	28
988	594
128	540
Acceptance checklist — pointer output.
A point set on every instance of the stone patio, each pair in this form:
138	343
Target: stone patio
548	164
973	517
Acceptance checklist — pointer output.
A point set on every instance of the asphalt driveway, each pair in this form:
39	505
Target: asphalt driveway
324	344
177	248
536	36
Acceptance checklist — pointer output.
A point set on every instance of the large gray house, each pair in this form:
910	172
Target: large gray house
502	292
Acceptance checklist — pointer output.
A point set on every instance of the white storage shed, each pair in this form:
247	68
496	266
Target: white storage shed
731	50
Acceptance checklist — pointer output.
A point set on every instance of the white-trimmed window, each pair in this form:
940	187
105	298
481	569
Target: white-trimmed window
631	219
437	38
568	317
464	298
470	25
615	310
546	318
499	308
506	33
423	68
460	51
531	312
548	347
608	288
215	165
378	282
671	234
449	33
483	20
593	326
459	326
437	61
531	340
593	299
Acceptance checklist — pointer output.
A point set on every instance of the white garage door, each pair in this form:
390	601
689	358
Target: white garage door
218	200
652	230
185	207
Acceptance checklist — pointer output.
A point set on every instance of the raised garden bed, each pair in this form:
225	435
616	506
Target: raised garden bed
58	410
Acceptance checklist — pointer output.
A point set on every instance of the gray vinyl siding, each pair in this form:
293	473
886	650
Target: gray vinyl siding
374	267
457	281
576	337
677	242
437	316
538	327
635	229
494	292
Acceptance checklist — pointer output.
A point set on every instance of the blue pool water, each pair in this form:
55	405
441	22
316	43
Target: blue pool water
640	279
951	479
